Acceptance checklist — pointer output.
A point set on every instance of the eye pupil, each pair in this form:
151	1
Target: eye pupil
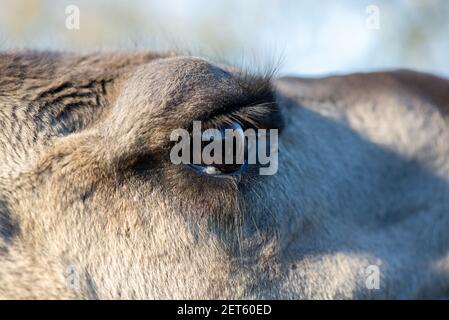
232	160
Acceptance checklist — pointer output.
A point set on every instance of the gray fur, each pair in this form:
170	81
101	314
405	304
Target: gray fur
90	206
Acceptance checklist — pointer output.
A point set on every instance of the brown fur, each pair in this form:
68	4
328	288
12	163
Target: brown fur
86	183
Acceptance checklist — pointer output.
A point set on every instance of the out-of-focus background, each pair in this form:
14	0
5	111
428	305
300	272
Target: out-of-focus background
310	37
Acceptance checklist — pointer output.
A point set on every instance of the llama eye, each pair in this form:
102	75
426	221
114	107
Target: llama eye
223	152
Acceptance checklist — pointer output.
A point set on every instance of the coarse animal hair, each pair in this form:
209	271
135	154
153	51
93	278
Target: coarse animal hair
92	208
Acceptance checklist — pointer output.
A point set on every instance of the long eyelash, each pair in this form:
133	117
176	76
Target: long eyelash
259	115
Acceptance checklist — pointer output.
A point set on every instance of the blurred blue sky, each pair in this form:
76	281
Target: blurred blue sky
309	37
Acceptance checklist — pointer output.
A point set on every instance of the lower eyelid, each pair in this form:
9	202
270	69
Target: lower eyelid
210	170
